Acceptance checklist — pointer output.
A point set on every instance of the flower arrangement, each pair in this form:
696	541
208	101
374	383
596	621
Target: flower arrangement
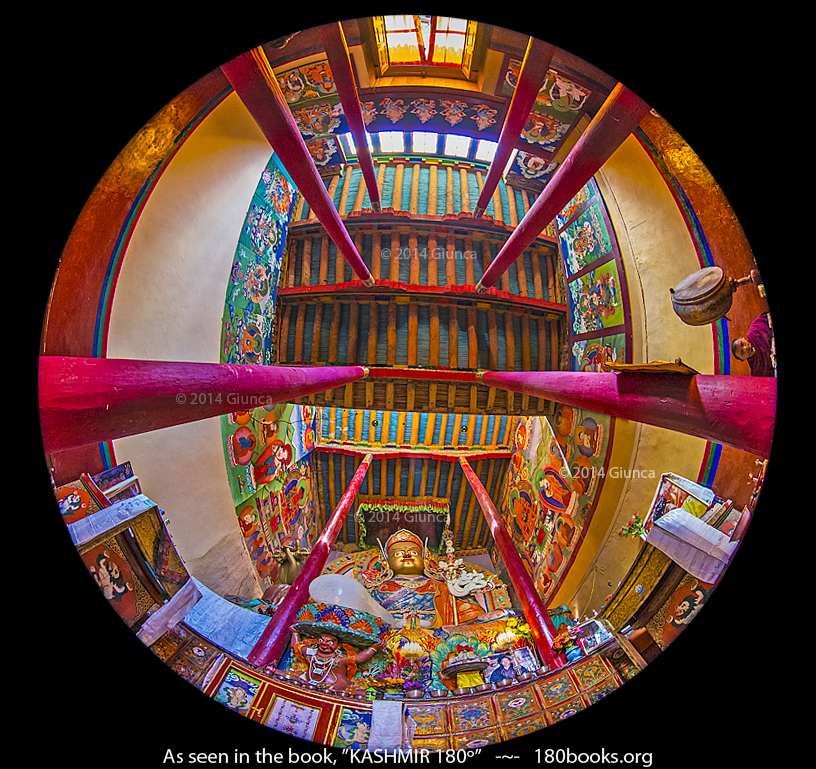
634	528
563	640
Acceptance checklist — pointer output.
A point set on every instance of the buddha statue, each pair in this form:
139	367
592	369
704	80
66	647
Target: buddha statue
405	583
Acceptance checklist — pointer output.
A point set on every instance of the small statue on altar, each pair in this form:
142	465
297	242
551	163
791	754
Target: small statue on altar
330	664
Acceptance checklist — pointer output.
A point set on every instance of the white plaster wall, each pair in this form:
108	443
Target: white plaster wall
168	305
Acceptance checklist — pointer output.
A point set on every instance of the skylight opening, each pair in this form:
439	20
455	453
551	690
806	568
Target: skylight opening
421	40
348	138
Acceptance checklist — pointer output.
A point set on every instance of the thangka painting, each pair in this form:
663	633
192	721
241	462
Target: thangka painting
593	354
586	239
579	200
584	438
596	302
596	283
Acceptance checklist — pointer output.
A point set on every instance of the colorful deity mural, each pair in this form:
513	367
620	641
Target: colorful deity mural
595	282
249	308
555	478
268	458
267	447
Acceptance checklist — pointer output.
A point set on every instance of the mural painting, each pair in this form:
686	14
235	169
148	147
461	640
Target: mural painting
249	306
595	300
594	354
267	447
112	573
586	239
555	477
269	470
596	284
557	108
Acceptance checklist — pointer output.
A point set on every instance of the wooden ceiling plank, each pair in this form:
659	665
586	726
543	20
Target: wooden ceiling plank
283	341
306	263
432	259
538	286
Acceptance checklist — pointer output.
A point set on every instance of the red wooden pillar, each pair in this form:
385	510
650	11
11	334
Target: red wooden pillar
92	400
254	82
334	41
533	71
531	603
737	411
618	117
272	643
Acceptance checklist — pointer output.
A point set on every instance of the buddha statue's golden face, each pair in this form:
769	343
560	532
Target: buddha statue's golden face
405	559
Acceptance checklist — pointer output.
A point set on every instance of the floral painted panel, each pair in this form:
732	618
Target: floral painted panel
557	689
471	714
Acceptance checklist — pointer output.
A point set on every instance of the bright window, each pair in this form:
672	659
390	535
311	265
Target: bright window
457	146
485	150
424	141
349	140
424	41
391	141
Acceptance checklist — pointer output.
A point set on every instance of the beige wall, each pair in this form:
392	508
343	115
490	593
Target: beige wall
168	305
658	253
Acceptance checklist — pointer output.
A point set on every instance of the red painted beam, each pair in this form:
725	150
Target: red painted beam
440	375
253	80
440	294
618	117
334	41
270	646
92	400
531	603
736	411
531	77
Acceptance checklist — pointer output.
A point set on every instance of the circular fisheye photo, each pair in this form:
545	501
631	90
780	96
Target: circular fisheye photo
407	387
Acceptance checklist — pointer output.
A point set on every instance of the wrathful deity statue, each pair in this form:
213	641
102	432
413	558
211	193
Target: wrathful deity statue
329	663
